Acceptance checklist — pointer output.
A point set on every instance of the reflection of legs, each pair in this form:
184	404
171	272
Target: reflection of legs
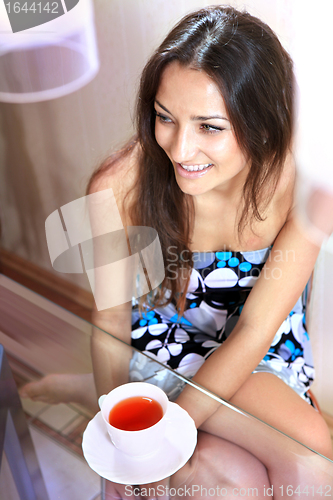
217	469
110	354
287	463
63	388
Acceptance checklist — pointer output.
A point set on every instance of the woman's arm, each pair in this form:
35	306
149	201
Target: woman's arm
110	347
277	290
111	337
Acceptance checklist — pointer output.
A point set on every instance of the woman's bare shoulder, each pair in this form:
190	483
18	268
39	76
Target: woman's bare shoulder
282	202
119	173
284	193
287	179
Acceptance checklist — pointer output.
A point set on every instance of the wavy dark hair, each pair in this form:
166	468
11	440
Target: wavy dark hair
254	73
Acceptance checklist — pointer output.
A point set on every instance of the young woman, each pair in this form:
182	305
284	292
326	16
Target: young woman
211	170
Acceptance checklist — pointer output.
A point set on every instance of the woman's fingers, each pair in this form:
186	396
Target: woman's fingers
153	491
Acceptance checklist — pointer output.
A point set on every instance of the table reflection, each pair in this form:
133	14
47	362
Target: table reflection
246	457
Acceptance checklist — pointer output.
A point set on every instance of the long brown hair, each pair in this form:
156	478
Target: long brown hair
254	73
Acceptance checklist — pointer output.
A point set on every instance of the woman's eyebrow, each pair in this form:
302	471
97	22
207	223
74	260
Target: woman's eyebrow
212	117
196	118
163	107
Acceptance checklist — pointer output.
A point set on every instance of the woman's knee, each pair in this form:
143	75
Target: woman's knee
318	436
267	397
220	464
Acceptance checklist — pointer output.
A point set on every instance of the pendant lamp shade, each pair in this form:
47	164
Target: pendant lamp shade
47	49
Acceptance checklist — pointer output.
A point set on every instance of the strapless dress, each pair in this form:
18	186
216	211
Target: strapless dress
219	286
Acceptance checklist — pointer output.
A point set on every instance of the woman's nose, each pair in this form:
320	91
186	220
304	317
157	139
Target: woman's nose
184	145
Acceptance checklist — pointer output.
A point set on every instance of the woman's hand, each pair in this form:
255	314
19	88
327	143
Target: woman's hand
151	491
157	490
121	491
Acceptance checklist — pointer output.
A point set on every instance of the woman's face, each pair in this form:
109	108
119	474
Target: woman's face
193	128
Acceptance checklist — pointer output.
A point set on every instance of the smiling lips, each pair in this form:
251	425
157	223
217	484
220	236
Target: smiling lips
195	168
193	171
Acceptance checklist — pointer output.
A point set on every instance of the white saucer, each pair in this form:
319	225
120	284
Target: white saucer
178	446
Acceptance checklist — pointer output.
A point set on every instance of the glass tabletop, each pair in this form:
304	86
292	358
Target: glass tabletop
242	457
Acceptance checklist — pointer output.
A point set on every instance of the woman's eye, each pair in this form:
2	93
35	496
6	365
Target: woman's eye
210	129
162	118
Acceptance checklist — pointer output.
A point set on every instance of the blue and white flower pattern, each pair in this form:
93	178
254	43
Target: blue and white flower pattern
219	286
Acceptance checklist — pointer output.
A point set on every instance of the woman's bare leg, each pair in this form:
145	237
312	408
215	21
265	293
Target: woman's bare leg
287	463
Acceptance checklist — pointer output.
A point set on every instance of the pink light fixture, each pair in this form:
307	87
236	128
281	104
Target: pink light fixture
47	49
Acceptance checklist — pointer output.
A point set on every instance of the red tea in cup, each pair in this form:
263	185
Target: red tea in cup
141	409
135	413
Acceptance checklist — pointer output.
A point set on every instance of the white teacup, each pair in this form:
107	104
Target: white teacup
137	442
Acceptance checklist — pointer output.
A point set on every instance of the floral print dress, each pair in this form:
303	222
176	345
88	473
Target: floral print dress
219	286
